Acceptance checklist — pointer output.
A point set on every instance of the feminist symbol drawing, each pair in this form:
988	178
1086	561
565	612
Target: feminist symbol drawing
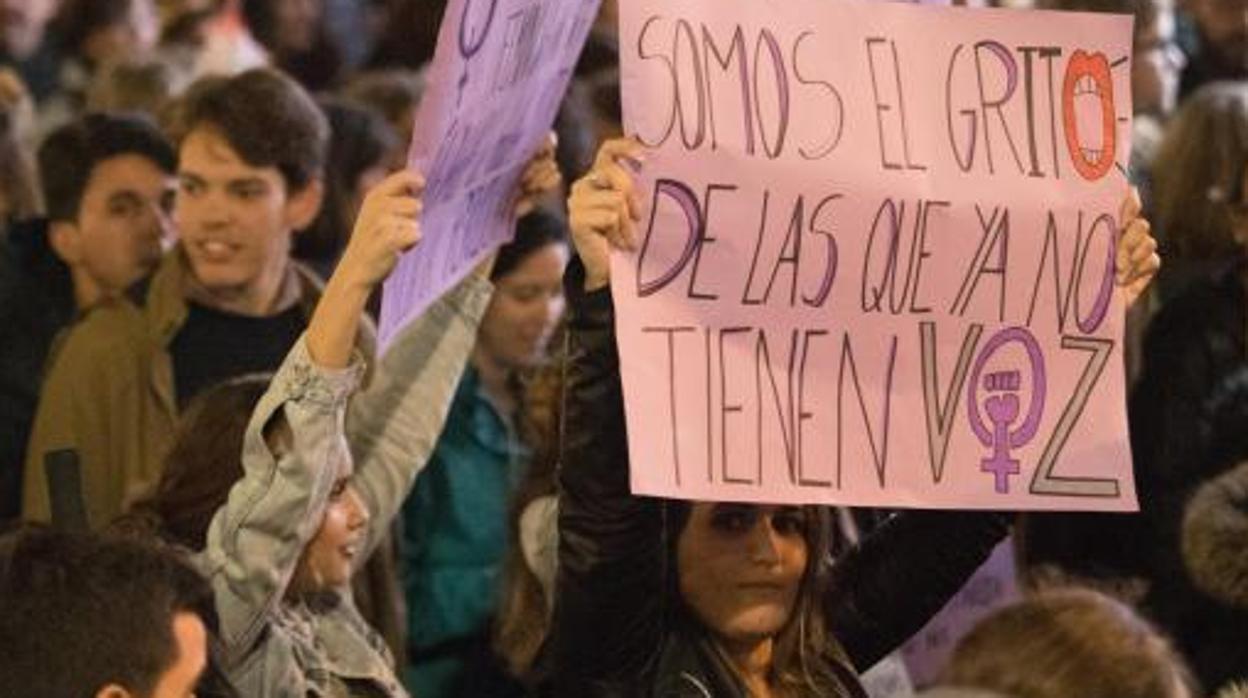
1003	405
470	44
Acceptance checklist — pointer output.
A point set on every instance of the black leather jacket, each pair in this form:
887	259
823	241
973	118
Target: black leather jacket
616	630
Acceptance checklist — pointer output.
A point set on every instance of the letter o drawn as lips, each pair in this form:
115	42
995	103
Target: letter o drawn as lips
1090	73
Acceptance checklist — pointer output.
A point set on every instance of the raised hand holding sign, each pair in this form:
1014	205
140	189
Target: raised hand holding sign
856	216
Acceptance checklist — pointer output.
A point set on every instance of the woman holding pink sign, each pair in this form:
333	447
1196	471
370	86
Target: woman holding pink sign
670	598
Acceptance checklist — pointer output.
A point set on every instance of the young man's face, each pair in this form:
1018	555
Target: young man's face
235	220
123	222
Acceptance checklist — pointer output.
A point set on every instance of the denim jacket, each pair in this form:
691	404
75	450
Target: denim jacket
271	645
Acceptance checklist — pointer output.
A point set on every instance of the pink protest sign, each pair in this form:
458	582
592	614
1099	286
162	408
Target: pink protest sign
495	84
876	261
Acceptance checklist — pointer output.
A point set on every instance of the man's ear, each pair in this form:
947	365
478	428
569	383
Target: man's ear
66	241
303	205
112	690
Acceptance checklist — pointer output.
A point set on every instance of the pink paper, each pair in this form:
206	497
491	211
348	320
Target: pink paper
877	254
495	84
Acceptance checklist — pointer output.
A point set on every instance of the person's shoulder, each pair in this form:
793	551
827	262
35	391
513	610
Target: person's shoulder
101	339
111	321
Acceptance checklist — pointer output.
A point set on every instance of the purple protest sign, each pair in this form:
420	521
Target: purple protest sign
993	586
494	86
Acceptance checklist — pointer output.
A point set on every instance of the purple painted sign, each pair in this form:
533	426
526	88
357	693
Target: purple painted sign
495	84
992	586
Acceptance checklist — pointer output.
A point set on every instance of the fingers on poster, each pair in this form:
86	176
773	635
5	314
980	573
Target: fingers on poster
880	235
497	79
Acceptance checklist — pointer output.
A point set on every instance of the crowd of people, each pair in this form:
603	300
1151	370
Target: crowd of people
213	484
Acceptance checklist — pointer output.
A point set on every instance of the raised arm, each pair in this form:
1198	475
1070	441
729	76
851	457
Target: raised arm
294	450
394	425
886	589
612	555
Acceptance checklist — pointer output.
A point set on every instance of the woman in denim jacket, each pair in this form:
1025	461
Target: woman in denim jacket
321	480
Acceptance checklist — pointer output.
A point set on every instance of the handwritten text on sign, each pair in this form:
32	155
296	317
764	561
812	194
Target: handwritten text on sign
877	259
496	81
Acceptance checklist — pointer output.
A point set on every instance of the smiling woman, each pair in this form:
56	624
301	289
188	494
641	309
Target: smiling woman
455	522
281	550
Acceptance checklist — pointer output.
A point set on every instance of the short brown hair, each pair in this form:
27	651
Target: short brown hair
72	152
82	611
266	117
1068	642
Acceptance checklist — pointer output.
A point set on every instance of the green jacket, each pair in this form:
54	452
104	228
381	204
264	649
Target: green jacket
109	393
455	534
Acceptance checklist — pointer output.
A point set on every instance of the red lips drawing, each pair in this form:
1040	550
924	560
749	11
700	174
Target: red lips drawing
1089	74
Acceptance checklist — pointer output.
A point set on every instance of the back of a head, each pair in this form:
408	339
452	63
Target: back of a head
393	93
81	612
1215	537
267	119
1202	153
359	138
1070	642
1214	532
68	156
360	141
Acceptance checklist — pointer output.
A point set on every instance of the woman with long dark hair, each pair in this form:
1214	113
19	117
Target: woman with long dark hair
456	521
669	598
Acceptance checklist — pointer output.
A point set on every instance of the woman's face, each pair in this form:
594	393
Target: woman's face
741	566
330	557
525	309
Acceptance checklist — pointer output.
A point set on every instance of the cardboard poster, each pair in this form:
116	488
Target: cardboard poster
494	86
876	260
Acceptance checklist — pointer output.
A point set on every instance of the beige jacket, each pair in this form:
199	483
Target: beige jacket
109	393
